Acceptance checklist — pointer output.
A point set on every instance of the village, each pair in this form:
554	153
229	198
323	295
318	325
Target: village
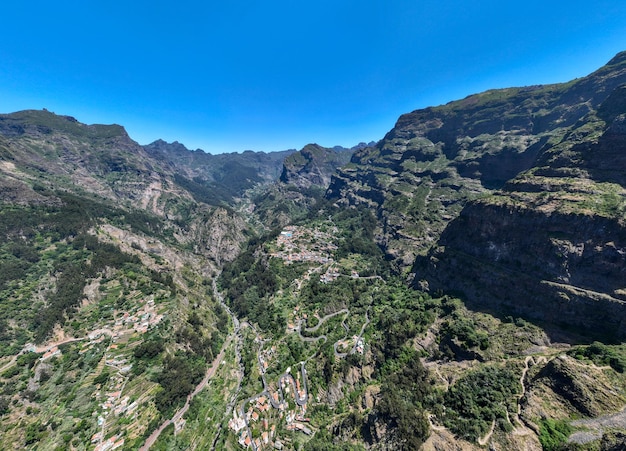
282	406
261	421
124	327
298	244
256	425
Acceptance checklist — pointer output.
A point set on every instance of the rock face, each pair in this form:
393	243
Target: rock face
41	152
228	173
551	245
435	160
578	389
565	269
313	165
514	197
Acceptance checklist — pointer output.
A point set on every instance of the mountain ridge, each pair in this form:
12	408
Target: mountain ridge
442	289
459	151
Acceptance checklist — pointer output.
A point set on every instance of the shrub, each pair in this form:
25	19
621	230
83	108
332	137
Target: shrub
553	433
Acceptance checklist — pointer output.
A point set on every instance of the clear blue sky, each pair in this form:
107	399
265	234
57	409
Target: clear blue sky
232	75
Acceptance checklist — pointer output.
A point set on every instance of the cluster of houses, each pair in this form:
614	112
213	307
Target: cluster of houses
125	324
301	393
119	363
294	326
239	425
141	321
52	352
267	438
265	356
117	405
256	417
298	244
331	274
113	401
109	444
360	344
295	423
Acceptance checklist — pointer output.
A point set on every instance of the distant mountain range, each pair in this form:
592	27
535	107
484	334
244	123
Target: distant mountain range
470	225
545	164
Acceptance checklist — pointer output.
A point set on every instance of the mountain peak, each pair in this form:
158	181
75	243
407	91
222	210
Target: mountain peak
45	122
313	165
617	59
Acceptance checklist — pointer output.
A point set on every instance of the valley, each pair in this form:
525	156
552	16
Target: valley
459	284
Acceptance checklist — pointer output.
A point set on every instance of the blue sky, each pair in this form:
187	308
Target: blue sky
241	74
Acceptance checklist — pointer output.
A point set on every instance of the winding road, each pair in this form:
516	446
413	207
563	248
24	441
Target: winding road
179	414
209	374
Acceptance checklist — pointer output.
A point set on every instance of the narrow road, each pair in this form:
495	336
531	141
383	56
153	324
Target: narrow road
179	414
48	346
209	374
323	320
319	324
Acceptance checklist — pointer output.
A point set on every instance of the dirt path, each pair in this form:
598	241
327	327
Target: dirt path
445	381
179	414
9	364
483	441
432	425
49	346
521	382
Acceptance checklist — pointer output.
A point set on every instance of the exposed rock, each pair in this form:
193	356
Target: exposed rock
566	385
313	165
559	240
435	160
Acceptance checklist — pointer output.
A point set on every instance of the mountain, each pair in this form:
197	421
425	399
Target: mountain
556	232
435	160
520	187
229	174
304	178
442	289
104	261
313	165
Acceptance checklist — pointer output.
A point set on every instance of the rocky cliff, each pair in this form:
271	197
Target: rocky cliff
313	165
551	244
228	174
514	197
435	160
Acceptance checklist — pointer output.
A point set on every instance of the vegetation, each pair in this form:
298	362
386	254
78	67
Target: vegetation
72	277
553	434
323	441
465	330
403	395
249	284
601	354
201	191
123	282
479	398
181	373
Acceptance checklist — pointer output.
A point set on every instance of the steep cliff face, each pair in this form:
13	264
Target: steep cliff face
313	165
435	160
44	149
551	245
565	269
43	154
